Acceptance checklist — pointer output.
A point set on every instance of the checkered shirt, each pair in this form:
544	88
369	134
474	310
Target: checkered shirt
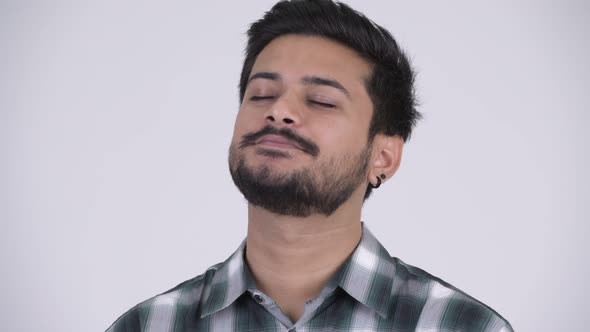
371	292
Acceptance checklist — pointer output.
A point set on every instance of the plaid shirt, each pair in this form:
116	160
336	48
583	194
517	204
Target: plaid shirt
371	292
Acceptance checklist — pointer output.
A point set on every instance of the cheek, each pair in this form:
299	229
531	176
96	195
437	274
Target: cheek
341	134
244	124
238	127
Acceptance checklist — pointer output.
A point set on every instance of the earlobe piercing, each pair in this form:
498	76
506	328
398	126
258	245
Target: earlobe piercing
381	176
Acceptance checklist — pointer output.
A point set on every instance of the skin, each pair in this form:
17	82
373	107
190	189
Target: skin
292	258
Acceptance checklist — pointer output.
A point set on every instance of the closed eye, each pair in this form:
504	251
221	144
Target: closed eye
321	104
311	101
255	98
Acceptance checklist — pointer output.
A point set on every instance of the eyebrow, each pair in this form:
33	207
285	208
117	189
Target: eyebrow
315	80
265	75
307	80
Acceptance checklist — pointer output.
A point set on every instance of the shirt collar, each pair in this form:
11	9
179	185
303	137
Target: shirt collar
367	276
231	279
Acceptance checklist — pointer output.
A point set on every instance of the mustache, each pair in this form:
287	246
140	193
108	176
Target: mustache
306	145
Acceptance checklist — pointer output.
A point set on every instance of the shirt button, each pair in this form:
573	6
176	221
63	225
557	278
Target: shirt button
258	298
292	330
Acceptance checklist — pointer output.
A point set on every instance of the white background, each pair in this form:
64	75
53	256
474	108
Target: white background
115	119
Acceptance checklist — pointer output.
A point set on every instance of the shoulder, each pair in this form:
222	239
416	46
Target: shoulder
441	305
186	296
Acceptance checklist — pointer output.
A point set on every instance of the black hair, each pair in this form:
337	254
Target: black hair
391	85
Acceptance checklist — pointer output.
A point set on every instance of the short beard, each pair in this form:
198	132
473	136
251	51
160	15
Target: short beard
319	190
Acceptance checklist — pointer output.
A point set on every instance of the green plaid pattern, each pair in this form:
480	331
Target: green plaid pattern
371	292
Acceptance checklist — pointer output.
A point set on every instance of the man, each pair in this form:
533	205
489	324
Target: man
326	105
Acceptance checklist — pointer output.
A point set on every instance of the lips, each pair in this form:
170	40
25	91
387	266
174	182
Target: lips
277	141
279	138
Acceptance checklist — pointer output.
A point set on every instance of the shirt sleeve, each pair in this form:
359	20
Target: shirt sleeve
128	322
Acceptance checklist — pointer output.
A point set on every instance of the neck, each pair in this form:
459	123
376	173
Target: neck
293	258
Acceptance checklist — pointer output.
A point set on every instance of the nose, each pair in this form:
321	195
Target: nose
284	111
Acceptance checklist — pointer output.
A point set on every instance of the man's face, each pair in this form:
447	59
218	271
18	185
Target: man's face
300	139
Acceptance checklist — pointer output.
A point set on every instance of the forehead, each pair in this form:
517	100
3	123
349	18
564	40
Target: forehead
294	56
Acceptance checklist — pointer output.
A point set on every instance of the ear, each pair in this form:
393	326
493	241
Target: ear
386	157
